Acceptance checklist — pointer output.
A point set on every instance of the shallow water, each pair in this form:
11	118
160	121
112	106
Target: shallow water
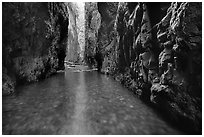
74	102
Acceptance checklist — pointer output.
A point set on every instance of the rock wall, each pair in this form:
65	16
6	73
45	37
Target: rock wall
99	31
92	25
34	42
106	36
155	50
73	44
81	30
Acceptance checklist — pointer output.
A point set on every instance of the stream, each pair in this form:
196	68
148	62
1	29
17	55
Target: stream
79	102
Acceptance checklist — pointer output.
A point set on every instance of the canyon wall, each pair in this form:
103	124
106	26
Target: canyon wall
107	41
73	44
81	30
92	24
155	50
34	42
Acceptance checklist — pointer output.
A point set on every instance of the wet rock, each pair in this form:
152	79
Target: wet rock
34	39
162	37
168	45
158	91
8	85
153	76
106	35
138	92
92	25
72	48
167	76
164	57
177	104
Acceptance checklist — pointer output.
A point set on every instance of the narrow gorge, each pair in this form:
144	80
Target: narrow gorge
153	49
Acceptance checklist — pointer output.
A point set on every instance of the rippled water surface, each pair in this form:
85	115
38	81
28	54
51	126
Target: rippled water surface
74	102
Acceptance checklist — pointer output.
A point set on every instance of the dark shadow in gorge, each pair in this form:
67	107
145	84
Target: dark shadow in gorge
63	22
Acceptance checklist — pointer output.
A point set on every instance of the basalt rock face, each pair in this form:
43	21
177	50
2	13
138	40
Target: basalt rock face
156	52
34	41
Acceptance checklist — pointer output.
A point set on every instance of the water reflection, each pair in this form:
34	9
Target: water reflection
79	103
